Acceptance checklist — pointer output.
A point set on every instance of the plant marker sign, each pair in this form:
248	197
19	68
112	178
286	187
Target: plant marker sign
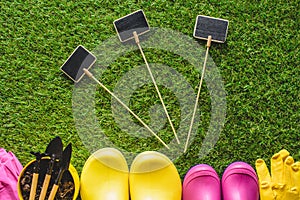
80	58
130	27
134	22
209	26
213	30
77	65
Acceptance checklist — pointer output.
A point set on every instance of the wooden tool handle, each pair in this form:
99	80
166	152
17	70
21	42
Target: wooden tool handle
45	187
53	192
33	186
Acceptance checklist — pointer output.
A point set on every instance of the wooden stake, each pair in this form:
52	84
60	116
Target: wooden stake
90	75
208	44
137	41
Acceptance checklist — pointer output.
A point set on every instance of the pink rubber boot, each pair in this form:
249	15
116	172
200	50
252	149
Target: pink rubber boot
239	182
201	183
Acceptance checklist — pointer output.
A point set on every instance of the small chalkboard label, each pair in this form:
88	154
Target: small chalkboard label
135	21
206	26
79	59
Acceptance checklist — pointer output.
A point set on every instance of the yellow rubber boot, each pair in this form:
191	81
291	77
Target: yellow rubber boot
105	176
153	176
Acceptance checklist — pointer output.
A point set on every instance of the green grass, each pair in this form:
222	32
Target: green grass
259	64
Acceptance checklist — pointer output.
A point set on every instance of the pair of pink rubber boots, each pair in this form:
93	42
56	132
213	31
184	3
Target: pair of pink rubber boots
239	182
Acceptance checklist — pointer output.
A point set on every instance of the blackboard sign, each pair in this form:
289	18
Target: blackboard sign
215	27
79	59
125	26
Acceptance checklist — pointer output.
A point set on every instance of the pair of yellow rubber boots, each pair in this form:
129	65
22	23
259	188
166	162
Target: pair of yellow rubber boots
152	176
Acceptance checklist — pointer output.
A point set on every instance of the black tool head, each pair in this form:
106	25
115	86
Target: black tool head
79	59
208	26
54	148
37	155
65	162
135	21
66	157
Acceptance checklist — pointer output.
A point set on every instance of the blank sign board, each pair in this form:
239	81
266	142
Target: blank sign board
79	59
125	26
215	27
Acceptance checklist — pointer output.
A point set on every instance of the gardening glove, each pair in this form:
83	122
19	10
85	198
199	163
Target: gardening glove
10	168
284	181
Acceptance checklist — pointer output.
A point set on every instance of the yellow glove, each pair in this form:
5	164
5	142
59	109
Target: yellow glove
284	184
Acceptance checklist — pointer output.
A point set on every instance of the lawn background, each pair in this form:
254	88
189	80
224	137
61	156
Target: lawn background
259	64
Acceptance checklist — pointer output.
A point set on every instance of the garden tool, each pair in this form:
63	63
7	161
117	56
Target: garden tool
49	150
64	165
35	175
210	29
283	181
54	155
70	191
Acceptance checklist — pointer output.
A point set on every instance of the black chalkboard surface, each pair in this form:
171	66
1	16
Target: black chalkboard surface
215	27
135	21
79	59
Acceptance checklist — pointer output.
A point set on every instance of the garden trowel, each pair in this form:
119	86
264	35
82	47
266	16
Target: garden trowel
64	165
51	148
55	154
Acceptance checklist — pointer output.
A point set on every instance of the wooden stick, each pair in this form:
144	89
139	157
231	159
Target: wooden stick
198	94
45	187
89	74
137	41
53	192
33	186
